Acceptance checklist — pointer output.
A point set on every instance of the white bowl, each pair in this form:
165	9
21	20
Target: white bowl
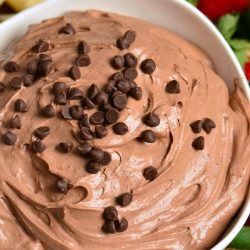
175	15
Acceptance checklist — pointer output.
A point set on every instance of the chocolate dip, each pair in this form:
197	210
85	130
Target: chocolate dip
101	149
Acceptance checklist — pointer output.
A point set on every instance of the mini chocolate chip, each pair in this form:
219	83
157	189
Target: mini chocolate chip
32	67
37	146
21	106
83	48
66	113
11	66
136	93
112	115
62	186
123	85
42	132
148	136
106	107
2	87
96	154
120	128
148	66
65	147
208	125
133	85
83	61
84	149
76	112
9	138
117	76
68	29
106	159
100	131
44	57
124	199
130	35
109	227
84	121
119	100
122	43
86	134
130	74
151	120
93	167
16	83
101	98
110	213
75	94
15	122
150	173
97	118
45	68
74	73
196	126
28	80
87	103
110	87
41	46
173	87
130	60
59	87
60	98
117	62
92	91
121	225
198	143
49	111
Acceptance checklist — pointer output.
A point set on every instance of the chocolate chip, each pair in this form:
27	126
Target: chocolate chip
65	147
123	86
124	199
130	74
9	138
45	68
151	120
96	154
92	91
15	122
112	115
44	57
150	173
173	87
75	94
110	87
130	35
117	76
86	134
59	87
106	159
148	66
196	126
83	48
100	131
49	111
120	128
106	107
122	43
121	225
74	73
62	186
21	106
130	60
83	61
208	125
84	149
28	80
42	132
60	98
87	103
101	98
84	121
136	93
37	146
76	112
97	118
148	136
11	66
110	213
117	62
66	113
41	46
16	83
93	167
68	29
109	227
198	143
119	100
2	87
32	67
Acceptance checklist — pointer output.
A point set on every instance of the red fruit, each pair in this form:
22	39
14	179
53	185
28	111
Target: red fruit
247	70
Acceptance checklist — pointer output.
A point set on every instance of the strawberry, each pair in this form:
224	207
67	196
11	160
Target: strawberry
247	72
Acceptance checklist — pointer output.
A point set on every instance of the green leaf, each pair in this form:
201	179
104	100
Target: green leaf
240	44
228	24
242	57
242	240
193	2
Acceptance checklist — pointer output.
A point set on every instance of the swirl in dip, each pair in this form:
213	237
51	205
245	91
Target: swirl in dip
117	134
